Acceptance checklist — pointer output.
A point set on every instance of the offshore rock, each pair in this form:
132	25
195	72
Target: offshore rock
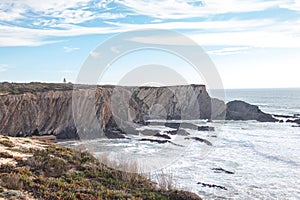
240	110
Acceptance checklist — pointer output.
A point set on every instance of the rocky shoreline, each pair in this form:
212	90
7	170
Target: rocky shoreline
37	109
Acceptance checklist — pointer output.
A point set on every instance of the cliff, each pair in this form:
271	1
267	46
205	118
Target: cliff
94	111
40	110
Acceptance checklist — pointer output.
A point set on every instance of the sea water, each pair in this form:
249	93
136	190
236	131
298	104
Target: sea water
263	158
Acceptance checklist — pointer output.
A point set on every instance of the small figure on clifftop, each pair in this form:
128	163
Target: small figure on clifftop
65	80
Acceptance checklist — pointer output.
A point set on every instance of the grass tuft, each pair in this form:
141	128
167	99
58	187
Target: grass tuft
7	143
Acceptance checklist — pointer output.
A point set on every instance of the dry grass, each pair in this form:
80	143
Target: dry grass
133	172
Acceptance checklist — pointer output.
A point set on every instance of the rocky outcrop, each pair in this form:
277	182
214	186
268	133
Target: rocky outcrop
240	110
297	121
212	186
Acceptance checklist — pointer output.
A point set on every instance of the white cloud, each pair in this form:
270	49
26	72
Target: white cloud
292	5
261	39
19	36
3	67
178	9
228	51
254	33
70	49
246	33
67	11
58	19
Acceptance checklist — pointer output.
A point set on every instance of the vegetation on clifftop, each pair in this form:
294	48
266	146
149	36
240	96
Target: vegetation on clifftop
55	172
20	88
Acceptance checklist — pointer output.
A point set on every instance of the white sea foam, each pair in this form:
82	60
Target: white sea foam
264	157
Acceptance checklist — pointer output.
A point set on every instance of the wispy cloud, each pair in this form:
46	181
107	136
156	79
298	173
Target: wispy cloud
228	51
292	5
34	23
70	49
178	9
3	67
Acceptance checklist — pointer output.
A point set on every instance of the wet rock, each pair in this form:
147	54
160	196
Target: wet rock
172	132
189	126
297	121
178	132
206	128
149	132
221	170
114	134
162	136
175	125
212	186
284	116
240	110
296	125
296	115
172	125
129	128
199	140
182	132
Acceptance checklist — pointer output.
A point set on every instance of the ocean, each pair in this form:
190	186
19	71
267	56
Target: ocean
247	159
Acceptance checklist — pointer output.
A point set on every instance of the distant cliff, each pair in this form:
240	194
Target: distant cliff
41	109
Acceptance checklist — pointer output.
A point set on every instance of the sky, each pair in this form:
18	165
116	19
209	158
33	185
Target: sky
252	43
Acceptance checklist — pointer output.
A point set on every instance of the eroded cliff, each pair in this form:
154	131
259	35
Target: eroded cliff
96	110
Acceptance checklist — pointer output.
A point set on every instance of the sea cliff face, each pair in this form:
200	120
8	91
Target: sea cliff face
66	112
95	111
36	113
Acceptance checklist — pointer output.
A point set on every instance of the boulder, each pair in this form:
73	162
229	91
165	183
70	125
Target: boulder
240	110
149	132
114	134
206	128
212	186
162	136
178	132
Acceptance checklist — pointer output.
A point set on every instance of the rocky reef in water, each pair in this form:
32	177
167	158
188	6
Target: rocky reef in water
64	110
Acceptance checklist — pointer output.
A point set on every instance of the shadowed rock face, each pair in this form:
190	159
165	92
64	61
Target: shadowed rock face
239	110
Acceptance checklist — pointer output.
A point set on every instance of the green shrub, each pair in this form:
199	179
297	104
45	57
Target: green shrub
5	155
7	143
55	167
12	181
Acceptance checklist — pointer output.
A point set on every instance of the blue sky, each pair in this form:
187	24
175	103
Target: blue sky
253	43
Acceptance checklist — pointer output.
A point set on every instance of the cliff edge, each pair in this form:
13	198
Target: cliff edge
64	110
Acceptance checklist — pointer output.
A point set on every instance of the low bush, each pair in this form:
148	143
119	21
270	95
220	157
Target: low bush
7	143
5	155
